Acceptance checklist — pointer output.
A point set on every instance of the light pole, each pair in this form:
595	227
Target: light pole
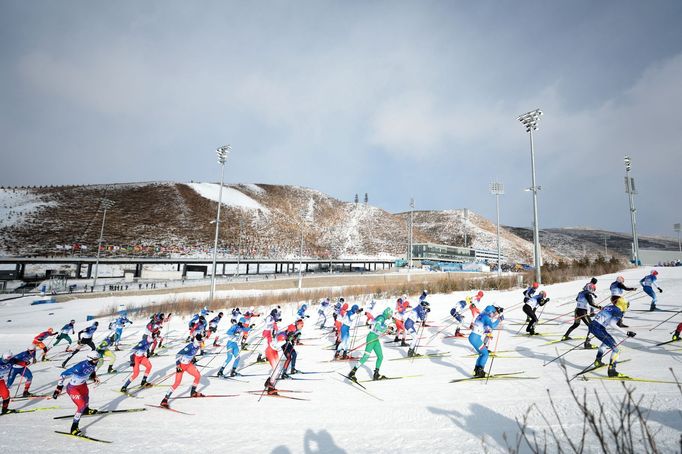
466	218
222	153
300	261
239	248
409	250
631	191
107	205
497	189
530	121
677	229
606	247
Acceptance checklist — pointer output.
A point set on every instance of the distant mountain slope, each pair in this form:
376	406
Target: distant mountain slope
266	220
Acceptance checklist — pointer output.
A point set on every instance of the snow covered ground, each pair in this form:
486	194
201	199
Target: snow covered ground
423	413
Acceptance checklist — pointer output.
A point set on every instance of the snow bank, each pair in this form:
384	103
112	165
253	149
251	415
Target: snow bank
230	197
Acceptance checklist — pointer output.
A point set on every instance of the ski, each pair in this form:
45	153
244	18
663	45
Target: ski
104	412
281	390
336	360
281	396
502	376
206	395
82	437
455	337
562	340
227	377
132	396
30	410
389	378
667	342
34	397
170	409
358	386
425	356
628	378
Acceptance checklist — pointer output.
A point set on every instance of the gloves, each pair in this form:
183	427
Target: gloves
194	360
525	299
458	317
546	300
57	391
660	290
631	334
178	369
240	324
501	317
307	316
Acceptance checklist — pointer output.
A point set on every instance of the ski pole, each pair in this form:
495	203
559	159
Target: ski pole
492	360
433	336
568	351
558	317
665	320
419	333
20	380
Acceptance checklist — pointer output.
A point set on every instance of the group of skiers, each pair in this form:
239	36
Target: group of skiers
279	342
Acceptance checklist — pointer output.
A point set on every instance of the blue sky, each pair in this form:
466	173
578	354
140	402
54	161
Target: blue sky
398	99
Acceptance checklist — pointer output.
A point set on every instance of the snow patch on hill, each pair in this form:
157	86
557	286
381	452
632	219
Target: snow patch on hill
230	197
18	204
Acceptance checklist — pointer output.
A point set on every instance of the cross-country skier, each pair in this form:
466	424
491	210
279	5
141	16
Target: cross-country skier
480	335
236	315
77	387
119	325
140	357
105	353
38	341
401	306
530	306
84	338
272	353
234	335
20	368
348	320
322	313
293	334
530	291
372	344
301	311
5	370
184	362
270	329
213	327
153	335
64	334
423	296
417	314
607	319
648	284
618	288
585	297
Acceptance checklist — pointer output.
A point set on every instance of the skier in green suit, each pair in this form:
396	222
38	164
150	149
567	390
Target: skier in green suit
373	344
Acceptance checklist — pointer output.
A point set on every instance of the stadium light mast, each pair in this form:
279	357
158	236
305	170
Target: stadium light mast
410	240
530	121
106	204
676	227
222	153
497	189
631	191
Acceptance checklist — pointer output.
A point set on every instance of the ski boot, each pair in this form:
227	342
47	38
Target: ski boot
260	358
68	349
403	343
378	376
164	402
144	383
233	372
269	387
587	345
117	349
75	430
598	362
284	376
351	374
612	372
195	393
110	369
458	333
396	339
621	324
676	336
345	354
410	352
124	389
90	411
652	308
26	393
220	372
479	372
294	371
336	354
565	338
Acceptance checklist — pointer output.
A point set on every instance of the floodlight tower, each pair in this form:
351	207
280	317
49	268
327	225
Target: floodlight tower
631	191
222	153
530	121
105	204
